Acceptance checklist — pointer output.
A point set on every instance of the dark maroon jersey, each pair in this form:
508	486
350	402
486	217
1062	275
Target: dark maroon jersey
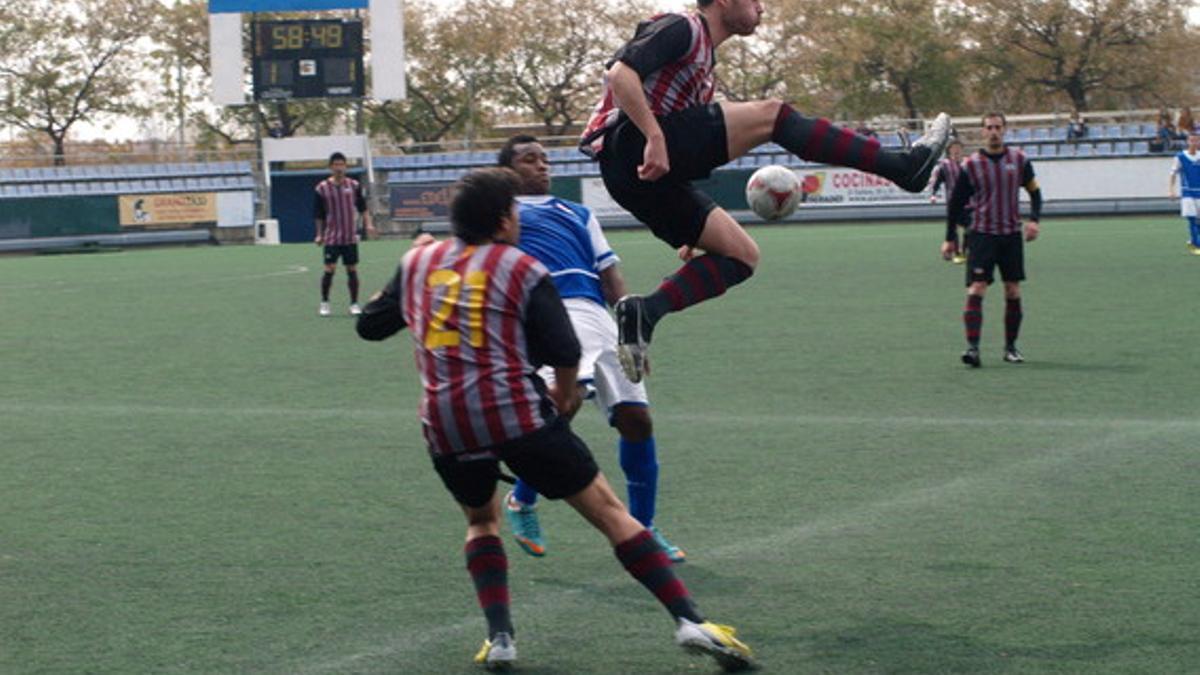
995	182
338	204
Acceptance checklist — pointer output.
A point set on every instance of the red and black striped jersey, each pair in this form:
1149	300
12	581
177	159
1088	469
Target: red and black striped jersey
675	57
946	173
993	184
337	204
483	318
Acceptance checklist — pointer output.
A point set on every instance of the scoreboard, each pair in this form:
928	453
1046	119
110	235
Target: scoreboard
311	58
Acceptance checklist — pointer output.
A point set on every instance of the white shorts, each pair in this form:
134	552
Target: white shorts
599	369
1187	206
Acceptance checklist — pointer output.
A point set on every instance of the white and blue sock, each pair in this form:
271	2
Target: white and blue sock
640	464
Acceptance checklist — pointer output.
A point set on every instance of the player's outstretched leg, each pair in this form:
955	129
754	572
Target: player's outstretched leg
819	140
645	561
729	258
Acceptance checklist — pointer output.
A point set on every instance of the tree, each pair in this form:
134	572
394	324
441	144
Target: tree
1082	52
892	57
550	64
447	65
65	63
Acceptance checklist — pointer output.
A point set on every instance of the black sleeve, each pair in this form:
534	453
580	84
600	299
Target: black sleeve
656	43
957	204
318	206
1029	180
381	318
360	202
551	339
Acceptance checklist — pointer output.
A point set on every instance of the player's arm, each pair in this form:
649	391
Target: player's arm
360	203
661	43
319	216
551	341
936	182
1171	185
382	318
612	282
1032	226
955	209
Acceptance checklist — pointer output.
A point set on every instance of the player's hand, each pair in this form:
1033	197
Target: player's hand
1032	229
371	232
655	163
949	248
423	239
1172	195
933	199
566	399
319	240
686	253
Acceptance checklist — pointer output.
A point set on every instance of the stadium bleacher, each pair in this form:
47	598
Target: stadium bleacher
1115	139
106	179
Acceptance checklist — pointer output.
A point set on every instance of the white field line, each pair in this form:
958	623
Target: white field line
698	419
60	286
462	634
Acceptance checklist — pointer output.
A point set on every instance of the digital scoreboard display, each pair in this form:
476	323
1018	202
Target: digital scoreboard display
316	58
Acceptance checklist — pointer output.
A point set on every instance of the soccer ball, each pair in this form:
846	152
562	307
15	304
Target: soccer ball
774	192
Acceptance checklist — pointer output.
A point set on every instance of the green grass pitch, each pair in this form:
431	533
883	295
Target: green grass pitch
199	475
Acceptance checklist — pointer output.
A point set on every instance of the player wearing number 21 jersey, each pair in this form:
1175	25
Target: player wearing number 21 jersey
483	316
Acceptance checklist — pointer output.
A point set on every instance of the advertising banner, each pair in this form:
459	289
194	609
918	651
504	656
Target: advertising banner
167	210
420	201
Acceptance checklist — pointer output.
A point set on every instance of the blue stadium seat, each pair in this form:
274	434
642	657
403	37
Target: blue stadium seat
1058	133
1032	150
1050	150
1141	147
1083	150
1021	134
1041	133
1104	148
1148	130
1121	148
1112	131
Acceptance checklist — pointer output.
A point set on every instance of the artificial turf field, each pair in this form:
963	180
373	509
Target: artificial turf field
199	475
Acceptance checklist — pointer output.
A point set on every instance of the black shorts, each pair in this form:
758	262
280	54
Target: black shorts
347	252
673	209
553	460
988	251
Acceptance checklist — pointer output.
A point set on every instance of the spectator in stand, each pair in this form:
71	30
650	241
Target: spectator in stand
1185	124
1164	134
1076	128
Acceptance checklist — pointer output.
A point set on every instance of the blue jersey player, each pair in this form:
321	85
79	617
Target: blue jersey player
567	239
1187	168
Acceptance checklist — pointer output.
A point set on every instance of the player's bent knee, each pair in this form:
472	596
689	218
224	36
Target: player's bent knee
633	422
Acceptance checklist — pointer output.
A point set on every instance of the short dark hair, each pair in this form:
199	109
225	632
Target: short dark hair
508	152
1003	119
480	200
953	142
336	156
703	3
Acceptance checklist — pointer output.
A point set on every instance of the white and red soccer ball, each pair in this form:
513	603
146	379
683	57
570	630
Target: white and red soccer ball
774	192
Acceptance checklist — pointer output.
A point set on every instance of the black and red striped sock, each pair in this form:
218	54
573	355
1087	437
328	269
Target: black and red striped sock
352	283
701	278
1012	320
489	570
646	561
973	318
819	140
326	283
